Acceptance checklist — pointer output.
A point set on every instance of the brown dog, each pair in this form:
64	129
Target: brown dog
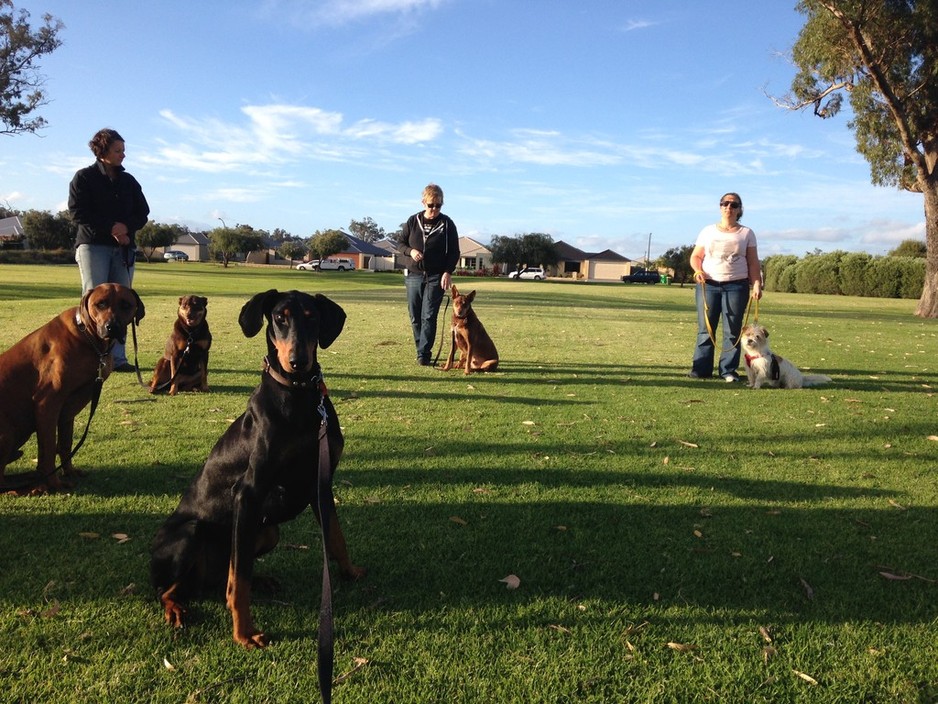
476	350
50	375
184	364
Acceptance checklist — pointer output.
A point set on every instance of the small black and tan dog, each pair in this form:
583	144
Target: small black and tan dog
184	364
262	471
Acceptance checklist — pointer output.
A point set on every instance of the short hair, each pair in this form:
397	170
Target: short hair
432	191
102	141
739	198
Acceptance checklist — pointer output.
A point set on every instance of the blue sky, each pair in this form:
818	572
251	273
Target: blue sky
598	122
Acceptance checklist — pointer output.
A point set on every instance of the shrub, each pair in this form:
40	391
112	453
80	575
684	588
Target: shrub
819	273
775	268
854	269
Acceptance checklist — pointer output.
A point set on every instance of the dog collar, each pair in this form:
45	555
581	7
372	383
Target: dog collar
92	339
314	380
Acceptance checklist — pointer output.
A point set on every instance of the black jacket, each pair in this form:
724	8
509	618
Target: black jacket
95	203
440	247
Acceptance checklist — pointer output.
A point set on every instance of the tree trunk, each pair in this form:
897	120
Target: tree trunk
928	303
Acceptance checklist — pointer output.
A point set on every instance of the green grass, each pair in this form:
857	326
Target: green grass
638	508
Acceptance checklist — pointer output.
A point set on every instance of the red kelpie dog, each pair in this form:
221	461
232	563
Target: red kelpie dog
477	352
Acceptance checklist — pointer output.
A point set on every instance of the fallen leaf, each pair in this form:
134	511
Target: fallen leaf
457	519
933	438
682	647
807	678
91	535
705	512
768	652
51	611
896	504
666	460
560	528
688	444
764	632
168	665
528	422
129	589
511	581
358	663
559	628
654	444
808	591
698	534
895	577
120	537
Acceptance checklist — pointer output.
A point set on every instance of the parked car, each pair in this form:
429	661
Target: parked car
536	273
308	266
174	255
335	264
642	276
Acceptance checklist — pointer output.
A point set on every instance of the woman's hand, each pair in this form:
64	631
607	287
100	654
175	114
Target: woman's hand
416	255
757	290
699	277
119	233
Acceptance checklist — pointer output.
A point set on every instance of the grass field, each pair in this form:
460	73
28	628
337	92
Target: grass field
675	540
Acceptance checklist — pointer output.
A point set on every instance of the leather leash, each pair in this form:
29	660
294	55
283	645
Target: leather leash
325	656
442	332
745	321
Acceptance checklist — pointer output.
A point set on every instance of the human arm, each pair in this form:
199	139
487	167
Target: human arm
696	263
755	271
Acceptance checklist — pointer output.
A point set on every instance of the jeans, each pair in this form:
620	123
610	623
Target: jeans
729	300
424	296
104	264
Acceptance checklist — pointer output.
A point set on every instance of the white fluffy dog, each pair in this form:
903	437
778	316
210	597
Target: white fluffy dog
765	368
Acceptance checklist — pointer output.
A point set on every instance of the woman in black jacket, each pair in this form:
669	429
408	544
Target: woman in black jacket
429	244
108	206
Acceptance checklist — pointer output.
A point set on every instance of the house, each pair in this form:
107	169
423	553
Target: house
473	255
195	244
12	233
389	260
366	255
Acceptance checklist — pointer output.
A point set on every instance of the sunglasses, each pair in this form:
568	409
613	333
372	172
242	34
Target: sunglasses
729	204
434	206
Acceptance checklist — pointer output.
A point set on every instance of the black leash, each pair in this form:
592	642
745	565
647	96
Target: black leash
442	332
325	657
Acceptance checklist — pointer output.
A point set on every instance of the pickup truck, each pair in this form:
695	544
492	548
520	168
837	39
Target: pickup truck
642	276
335	264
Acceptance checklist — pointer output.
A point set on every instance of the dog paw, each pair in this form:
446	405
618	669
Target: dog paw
353	573
252	639
174	614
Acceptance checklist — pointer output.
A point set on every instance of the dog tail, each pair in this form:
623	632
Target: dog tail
815	379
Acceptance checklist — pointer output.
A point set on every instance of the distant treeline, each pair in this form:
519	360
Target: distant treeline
846	273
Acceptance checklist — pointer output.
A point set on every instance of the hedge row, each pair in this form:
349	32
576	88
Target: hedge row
846	273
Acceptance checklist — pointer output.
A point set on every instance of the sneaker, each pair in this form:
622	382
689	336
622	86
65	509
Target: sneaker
730	378
694	375
423	361
125	367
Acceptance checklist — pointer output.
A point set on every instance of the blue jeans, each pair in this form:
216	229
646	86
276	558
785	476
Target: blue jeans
104	264
729	300
424	296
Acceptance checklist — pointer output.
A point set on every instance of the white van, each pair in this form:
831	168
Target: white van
336	264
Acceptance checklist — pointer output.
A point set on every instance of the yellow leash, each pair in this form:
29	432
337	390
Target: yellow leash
710	332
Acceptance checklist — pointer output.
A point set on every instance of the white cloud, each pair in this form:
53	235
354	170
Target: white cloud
333	13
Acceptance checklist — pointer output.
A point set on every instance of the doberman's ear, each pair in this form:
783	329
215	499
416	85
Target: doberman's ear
252	314
141	311
471	295
453	291
331	320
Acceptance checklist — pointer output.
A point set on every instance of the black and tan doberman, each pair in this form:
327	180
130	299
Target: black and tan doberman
262	471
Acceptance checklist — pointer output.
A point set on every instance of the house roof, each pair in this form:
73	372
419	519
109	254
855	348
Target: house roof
387	247
360	246
196	238
11	227
570	253
609	256
468	247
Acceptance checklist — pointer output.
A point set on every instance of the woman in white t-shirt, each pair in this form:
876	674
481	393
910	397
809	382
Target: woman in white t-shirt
726	264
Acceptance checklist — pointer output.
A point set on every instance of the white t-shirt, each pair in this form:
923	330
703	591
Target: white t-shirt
725	252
